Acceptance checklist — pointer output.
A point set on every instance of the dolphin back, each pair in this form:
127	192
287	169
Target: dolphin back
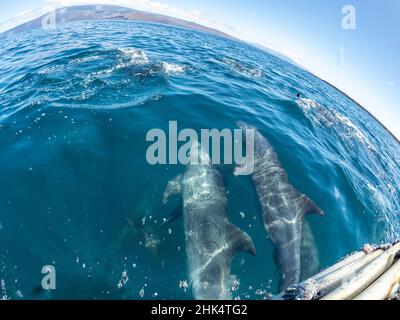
213	280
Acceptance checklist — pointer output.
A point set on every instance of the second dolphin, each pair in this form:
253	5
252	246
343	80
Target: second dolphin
282	208
211	240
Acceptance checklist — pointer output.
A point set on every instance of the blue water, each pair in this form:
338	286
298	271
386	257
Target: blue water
75	106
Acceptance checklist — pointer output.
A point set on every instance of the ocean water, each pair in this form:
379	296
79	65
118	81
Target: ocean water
76	191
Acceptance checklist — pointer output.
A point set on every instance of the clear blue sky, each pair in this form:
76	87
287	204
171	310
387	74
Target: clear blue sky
364	63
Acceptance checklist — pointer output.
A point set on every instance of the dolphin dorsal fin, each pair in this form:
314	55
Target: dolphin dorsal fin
308	206
239	241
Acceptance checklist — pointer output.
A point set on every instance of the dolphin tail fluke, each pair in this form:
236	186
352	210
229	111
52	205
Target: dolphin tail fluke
308	206
240	241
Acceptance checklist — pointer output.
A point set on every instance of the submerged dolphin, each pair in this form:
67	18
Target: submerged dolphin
310	264
139	229
211	240
282	207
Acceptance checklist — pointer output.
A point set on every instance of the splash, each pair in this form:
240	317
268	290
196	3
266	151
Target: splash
242	68
132	57
171	68
106	78
342	125
3	290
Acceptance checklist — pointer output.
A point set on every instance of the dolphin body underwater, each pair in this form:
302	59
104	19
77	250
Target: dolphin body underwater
211	240
138	229
283	208
310	264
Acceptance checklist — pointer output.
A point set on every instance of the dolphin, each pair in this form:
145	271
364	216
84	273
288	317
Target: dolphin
282	208
310	264
138	229
211	240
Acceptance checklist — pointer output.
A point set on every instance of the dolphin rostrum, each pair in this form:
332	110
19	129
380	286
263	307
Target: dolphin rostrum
282	208
211	240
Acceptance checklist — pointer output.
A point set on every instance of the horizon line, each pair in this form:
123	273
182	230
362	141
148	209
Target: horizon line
256	45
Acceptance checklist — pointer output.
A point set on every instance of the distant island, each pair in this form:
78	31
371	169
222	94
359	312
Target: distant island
111	12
